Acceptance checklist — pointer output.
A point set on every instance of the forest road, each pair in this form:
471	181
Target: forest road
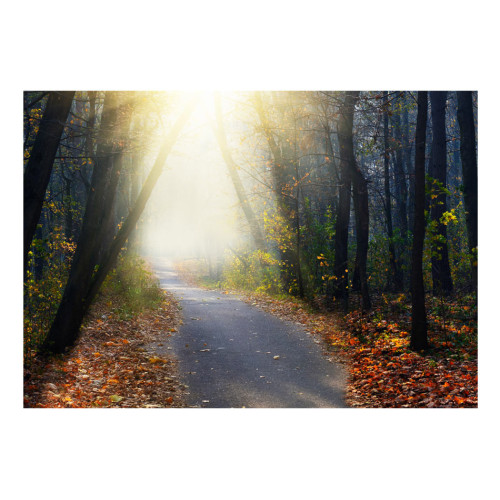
227	353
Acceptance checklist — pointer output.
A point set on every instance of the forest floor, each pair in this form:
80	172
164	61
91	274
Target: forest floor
383	371
113	364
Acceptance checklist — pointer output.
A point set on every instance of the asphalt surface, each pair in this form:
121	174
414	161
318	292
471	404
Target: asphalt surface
233	355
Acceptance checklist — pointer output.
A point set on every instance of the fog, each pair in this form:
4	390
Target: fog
193	210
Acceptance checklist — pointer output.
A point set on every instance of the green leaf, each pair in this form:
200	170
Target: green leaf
115	398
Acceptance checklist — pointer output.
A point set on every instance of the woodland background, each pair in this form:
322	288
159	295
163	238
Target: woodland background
398	55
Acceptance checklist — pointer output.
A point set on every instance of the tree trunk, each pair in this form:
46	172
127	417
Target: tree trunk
286	204
441	275
39	168
346	148
395	278
360	195
465	116
83	284
400	176
253	224
418	338
130	222
408	164
66	325
362	217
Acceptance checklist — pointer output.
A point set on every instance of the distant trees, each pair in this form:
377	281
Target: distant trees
41	160
441	274
284	172
301	158
220	134
395	277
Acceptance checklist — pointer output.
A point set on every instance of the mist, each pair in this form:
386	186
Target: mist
193	210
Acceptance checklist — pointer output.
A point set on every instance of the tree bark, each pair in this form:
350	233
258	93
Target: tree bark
418	338
346	148
395	278
66	325
441	275
408	163
400	175
362	216
282	166
83	284
39	168
468	155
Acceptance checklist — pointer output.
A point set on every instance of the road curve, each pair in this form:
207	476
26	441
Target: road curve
234	355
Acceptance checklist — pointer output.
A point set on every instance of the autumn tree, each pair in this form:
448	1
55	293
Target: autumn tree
284	173
93	261
441	273
41	160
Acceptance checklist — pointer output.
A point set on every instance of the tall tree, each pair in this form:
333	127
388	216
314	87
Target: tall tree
70	313
361	212
418	338
395	278
346	148
407	147
83	284
220	133
399	172
465	115
39	167
283	169
441	273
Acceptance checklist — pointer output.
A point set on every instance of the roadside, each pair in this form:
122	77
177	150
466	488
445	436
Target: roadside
113	364
382	371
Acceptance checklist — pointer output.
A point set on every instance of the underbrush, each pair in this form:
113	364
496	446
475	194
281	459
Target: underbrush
131	288
128	290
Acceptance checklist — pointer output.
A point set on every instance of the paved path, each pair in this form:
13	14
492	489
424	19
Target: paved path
227	348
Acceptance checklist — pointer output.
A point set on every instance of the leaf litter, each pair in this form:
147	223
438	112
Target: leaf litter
114	364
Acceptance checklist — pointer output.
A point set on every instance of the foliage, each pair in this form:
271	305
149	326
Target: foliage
50	260
256	271
116	363
131	287
383	371
128	290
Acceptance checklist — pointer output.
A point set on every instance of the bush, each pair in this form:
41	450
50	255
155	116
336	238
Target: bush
257	271
131	288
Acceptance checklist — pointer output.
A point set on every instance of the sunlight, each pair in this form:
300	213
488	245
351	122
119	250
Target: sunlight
192	211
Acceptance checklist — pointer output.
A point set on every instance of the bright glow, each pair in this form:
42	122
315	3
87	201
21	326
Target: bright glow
193	211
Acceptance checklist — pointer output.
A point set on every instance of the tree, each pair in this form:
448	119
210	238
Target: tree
283	170
220	134
361	212
399	171
441	273
105	175
344	132
465	115
39	167
418	338
395	278
84	281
